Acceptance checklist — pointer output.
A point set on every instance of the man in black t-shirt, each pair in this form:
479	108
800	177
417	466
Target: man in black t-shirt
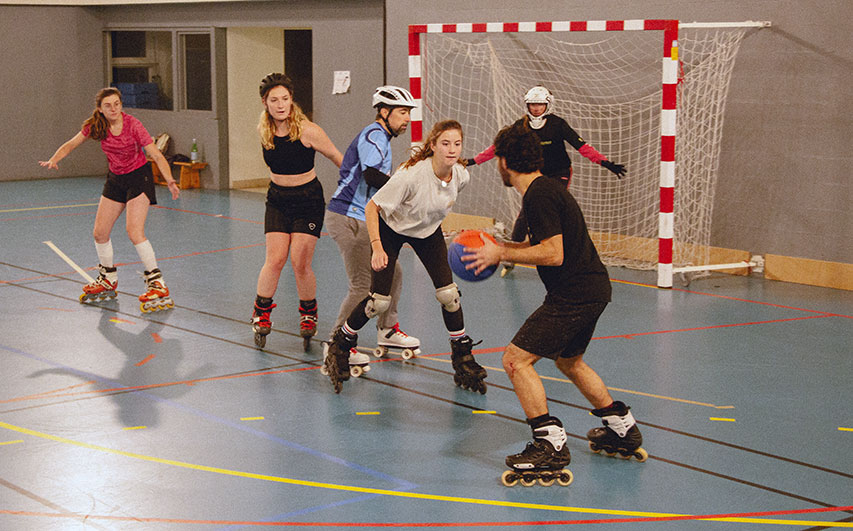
578	290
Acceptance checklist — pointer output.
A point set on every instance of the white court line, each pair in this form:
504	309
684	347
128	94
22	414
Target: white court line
70	262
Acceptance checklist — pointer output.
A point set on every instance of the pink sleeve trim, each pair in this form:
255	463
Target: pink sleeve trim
591	153
486	154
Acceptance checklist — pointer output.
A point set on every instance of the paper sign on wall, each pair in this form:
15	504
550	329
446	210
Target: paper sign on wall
341	82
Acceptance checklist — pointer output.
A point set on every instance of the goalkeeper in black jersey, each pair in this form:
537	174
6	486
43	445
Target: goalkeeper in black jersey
552	132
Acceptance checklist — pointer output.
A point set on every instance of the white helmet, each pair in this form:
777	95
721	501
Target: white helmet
392	96
538	94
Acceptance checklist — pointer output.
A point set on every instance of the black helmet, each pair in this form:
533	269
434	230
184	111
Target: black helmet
275	79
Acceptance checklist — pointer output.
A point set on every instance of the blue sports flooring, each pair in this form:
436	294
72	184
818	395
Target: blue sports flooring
111	419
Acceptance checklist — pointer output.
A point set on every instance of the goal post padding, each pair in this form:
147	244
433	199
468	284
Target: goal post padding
622	85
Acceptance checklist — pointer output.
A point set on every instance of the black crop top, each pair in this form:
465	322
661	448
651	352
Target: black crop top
289	158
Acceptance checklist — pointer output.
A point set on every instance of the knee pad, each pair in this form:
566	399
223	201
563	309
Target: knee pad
448	296
376	304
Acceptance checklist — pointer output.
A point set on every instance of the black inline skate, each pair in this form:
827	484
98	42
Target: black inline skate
261	323
542	460
620	434
336	362
469	373
307	324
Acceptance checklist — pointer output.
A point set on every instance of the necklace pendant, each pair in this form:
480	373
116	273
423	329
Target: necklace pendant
444	184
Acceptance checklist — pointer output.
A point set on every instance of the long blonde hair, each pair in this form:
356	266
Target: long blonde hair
266	125
425	151
98	124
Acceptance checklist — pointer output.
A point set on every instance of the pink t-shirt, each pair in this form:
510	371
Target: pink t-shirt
124	152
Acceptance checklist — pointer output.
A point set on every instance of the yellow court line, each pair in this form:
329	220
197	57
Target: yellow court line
251	418
639	393
721	419
366	412
11	442
402	494
482	412
49	207
845	429
135	428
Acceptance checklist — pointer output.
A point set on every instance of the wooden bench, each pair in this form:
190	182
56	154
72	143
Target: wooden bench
188	176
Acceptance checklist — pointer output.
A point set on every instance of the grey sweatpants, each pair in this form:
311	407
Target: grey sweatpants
354	243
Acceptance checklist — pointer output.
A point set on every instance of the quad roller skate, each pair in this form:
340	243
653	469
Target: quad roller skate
103	288
336	361
359	363
307	325
157	297
261	324
469	373
619	435
507	269
542	460
394	338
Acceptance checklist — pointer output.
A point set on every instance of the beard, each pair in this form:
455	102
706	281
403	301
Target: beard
505	177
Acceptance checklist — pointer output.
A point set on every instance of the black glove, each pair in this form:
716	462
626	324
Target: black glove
470	162
618	169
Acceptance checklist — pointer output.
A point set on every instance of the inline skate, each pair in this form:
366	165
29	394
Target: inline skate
103	288
156	297
336	361
542	460
307	324
469	373
359	363
394	338
261	323
619	435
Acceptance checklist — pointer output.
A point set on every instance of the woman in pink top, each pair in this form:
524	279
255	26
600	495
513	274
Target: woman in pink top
129	186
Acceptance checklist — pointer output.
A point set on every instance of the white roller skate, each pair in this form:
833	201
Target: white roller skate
157	297
359	363
103	288
394	338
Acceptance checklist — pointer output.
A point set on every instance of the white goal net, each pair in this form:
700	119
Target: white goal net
607	85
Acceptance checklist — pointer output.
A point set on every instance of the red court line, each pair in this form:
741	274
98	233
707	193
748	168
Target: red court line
763	303
220	216
642	519
46	393
146	360
157	338
631	336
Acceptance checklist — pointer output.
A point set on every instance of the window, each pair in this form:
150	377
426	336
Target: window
168	69
141	67
196	71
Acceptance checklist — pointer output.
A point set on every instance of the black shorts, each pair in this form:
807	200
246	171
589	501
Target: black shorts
295	208
559	328
122	188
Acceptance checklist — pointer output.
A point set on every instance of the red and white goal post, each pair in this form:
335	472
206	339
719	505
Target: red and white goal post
627	88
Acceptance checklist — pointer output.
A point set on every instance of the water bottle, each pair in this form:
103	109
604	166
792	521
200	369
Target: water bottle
194	151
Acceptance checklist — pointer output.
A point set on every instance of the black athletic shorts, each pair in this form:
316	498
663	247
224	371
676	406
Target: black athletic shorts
295	208
559	328
123	188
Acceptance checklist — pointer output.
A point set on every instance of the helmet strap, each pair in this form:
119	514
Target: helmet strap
386	122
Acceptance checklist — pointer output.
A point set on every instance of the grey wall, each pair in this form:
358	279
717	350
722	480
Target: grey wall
784	184
51	62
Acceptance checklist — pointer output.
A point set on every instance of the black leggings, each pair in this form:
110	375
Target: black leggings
431	251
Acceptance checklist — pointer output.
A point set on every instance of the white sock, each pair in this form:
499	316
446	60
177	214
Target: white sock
105	253
146	254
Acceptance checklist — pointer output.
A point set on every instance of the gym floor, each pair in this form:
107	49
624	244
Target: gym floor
114	419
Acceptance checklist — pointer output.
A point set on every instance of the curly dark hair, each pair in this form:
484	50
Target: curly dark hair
521	149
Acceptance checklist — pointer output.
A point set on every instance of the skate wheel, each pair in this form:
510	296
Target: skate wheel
408	354
528	481
641	455
380	351
565	478
508	478
366	368
356	371
83	298
260	340
323	370
547	482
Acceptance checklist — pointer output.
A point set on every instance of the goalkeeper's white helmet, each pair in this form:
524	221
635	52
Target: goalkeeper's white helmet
538	94
392	96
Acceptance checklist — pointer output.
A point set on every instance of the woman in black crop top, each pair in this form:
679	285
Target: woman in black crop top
295	203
